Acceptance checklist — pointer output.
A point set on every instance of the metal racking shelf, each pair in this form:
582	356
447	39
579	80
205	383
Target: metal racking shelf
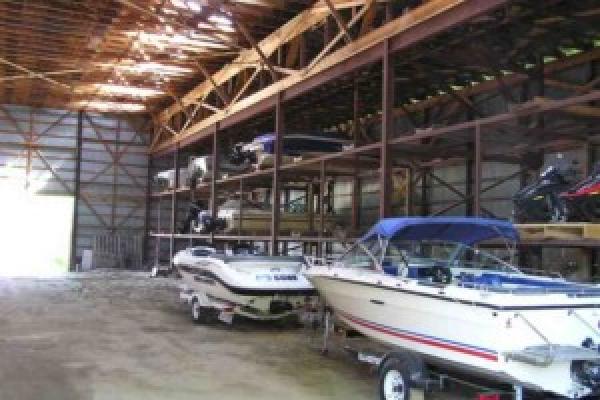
524	118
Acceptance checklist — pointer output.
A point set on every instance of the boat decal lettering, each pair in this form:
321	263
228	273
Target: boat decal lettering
428	340
246	291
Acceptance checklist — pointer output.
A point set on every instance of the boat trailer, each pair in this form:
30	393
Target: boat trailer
422	381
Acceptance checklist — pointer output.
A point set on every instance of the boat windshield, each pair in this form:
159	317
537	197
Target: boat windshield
454	255
376	254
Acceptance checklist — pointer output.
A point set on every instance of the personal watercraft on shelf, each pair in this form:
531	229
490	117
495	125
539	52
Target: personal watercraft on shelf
583	198
421	286
556	196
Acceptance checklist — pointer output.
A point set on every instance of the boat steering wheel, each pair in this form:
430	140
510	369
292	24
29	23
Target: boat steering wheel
441	274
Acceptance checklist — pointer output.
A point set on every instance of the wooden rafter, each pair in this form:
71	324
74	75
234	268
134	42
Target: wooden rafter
293	28
218	89
336	38
37	75
394	28
257	48
339	20
246	86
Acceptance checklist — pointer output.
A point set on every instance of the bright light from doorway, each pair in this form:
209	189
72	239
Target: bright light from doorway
35	238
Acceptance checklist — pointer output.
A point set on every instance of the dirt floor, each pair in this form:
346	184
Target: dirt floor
110	335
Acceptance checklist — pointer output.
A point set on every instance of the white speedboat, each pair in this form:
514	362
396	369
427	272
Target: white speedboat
258	287
461	307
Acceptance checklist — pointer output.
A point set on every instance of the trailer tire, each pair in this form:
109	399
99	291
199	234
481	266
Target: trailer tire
395	379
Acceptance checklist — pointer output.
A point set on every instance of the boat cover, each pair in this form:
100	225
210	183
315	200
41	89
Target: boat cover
466	230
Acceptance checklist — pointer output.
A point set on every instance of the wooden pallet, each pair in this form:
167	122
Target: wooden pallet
565	231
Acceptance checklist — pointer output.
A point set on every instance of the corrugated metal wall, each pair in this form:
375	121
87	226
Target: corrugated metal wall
39	149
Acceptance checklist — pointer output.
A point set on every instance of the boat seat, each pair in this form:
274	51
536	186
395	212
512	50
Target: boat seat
390	269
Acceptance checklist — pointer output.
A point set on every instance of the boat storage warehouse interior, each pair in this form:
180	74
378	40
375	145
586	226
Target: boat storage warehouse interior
299	199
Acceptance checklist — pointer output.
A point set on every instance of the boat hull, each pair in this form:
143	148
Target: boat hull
259	303
468	335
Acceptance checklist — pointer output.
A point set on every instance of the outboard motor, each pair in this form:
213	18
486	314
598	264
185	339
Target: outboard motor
191	216
239	156
541	200
205	223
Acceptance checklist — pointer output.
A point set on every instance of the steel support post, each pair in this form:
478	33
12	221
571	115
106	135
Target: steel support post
77	190
147	214
469	181
410	185
174	206
276	192
214	172
477	172
310	206
425	209
355	179
387	122
157	238
321	207
115	180
214	176
241	208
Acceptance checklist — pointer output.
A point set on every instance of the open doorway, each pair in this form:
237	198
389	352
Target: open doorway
35	234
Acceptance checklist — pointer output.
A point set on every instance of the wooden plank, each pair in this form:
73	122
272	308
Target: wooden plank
561	231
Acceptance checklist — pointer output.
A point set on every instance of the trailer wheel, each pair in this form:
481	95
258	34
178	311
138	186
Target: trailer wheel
394	380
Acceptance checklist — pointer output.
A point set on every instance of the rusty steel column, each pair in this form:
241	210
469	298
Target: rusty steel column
76	190
174	206
387	123
241	208
214	176
355	179
158	228
276	192
410	187
310	206
148	204
477	173
321	207
425	206
214	172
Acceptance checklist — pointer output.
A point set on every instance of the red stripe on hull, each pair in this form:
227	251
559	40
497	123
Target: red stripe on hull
424	341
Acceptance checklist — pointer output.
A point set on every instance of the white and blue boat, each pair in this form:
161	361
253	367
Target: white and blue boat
260	151
425	286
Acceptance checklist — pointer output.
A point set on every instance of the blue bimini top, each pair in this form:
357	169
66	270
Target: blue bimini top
465	230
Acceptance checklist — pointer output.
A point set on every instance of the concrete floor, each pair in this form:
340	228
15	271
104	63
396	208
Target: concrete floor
118	335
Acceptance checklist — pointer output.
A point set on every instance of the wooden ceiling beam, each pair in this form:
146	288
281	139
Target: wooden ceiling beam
218	89
458	11
304	21
339	21
246	33
36	74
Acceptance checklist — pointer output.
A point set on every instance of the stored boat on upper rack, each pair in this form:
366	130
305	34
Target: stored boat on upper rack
419	285
255	217
200	169
260	151
256	286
